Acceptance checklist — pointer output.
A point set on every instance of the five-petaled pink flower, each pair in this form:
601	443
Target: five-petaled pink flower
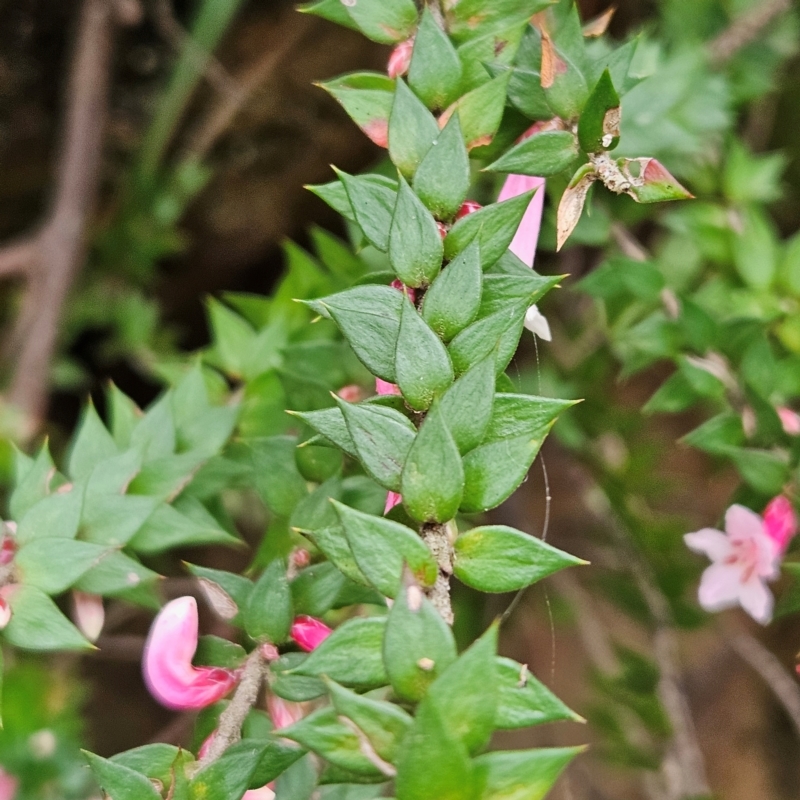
309	632
744	559
167	665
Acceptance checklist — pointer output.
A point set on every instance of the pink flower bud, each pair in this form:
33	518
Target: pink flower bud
309	632
384	387
392	499
301	557
443	229
401	287
468	207
167	664
269	652
8	785
790	420
283	713
5	618
351	393
88	614
780	522
400	59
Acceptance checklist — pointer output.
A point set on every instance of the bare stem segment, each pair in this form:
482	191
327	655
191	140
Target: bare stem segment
437	538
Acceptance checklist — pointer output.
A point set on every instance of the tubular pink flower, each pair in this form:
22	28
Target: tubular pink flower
392	499
790	420
88	614
309	632
167	664
523	245
780	522
8	785
743	560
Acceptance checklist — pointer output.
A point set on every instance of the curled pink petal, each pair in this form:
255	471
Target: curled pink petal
525	240
780	522
468	207
384	387
309	632
88	614
400	59
283	713
790	420
8	785
392	499
167	664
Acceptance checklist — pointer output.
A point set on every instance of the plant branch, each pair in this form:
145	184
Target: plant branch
438	540
745	30
229	730
781	682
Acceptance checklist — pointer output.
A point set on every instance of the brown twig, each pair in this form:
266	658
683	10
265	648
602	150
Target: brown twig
52	258
229	729
744	30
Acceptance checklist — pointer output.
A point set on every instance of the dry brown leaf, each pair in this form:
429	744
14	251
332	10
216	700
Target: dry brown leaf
599	25
571	207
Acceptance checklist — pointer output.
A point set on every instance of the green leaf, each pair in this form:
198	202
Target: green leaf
418	646
277	478
654	182
351	655
493	227
564	83
543	154
764	470
213	651
435	70
453	300
93	444
167	527
231	774
123	416
31	481
443	178
467	404
290	686
116	574
369	318
415	245
496	334
269	614
598	127
154	434
422	365
166	477
381	547
432	762
508	291
278	755
523	701
384	21
57	515
333	10
481	110
384	724
328	423
119	781
516	431
218	584
232	335
372	200
432	482
323	732
469	18
382	438
412	130
55	564
496	558
466	693
37	624
153	760
367	97
521	774
315	589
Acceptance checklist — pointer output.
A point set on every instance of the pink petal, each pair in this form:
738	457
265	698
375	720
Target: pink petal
88	614
790	420
309	633
392	499
264	793
351	393
468	207
523	245
712	543
757	600
383	387
283	713
8	785
167	664
780	522
5	617
400	59
719	587
742	523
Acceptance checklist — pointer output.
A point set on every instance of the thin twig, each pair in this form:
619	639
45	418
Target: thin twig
59	247
229	729
745	30
782	683
438	541
18	257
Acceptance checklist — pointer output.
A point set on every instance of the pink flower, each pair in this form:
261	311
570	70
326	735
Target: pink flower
5	618
283	713
384	387
468	207
523	245
780	522
392	499
309	632
88	614
400	59
744	559
351	393
264	793
790	420
167	663
8	785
